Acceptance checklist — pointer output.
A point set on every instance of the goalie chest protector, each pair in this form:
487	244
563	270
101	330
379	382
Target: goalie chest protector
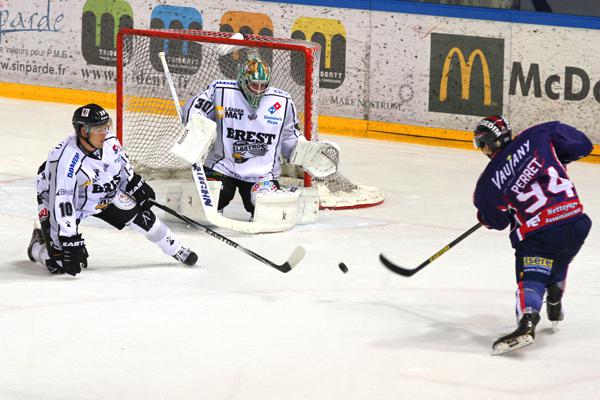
250	141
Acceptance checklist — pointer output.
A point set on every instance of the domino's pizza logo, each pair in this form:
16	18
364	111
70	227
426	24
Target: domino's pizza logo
273	109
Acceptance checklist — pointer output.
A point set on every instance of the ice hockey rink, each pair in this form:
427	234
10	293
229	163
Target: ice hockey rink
138	325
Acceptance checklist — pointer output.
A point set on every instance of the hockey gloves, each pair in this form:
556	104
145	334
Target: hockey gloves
140	191
74	254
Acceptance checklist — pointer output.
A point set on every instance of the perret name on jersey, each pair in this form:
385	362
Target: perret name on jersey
526	176
508	169
249	136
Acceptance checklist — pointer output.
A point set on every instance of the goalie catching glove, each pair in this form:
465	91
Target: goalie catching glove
319	159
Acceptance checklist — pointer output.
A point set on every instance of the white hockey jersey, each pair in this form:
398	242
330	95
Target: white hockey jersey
76	184
249	141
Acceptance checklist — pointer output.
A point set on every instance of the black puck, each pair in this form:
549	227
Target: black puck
343	267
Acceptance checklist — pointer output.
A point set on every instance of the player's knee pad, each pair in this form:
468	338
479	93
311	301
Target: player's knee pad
144	220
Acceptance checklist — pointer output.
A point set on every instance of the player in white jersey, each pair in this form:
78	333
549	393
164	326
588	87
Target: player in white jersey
256	125
88	173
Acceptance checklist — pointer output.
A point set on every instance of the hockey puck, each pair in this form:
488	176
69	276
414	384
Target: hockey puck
343	267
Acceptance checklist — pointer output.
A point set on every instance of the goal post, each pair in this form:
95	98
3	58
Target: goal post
147	122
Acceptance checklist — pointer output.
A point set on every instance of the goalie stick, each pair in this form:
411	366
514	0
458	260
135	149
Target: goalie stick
292	261
410	272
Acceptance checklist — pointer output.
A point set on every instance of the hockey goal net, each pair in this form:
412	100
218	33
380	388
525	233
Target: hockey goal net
147	121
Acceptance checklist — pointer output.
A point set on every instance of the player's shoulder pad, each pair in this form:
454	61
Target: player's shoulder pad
69	158
277	92
543	127
113	142
225	83
55	153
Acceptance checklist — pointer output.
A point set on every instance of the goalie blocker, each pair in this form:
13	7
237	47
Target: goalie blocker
275	211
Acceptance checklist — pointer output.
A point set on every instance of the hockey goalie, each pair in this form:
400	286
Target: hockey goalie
236	133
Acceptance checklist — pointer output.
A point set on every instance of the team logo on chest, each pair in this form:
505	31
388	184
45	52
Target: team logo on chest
248	144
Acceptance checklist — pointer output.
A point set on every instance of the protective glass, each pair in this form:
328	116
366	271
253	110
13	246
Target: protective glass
479	140
100	129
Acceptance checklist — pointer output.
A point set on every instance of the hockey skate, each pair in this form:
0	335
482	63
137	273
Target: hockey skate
186	256
554	305
36	237
521	337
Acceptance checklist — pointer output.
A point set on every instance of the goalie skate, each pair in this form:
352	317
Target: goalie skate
521	337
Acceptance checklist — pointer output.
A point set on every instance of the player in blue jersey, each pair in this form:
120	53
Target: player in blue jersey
526	186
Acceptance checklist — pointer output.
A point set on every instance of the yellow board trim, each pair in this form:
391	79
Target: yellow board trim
332	125
57	95
409	134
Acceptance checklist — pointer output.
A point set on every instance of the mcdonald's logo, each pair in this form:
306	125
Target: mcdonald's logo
100	23
331	35
247	23
183	57
466	75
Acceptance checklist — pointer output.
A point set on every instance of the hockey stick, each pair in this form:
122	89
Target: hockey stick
163	61
292	261
410	272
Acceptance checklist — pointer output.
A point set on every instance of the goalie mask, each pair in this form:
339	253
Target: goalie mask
254	78
493	131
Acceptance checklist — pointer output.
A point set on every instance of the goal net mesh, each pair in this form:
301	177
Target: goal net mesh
148	124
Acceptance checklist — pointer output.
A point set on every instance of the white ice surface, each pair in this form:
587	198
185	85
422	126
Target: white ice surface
138	325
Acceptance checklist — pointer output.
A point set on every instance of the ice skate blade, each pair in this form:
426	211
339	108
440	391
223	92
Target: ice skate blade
554	326
512	344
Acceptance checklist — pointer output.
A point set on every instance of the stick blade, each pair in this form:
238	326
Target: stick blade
396	268
297	256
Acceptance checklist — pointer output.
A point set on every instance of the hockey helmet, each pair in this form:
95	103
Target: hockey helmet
89	116
493	131
254	78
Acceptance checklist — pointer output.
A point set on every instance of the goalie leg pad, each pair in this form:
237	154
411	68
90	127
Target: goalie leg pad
190	203
253	190
276	211
308	205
